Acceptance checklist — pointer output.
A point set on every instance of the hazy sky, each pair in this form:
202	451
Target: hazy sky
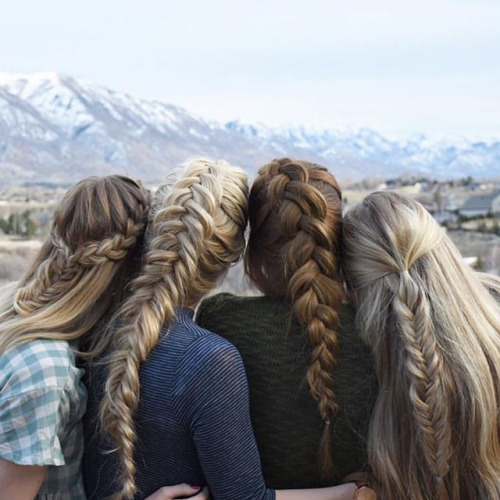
397	66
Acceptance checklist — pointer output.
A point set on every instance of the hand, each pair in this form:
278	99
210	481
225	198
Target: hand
180	491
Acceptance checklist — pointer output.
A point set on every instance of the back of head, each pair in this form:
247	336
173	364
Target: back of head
295	229
434	331
67	288
196	231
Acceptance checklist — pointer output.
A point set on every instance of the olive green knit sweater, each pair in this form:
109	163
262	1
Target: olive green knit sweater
276	353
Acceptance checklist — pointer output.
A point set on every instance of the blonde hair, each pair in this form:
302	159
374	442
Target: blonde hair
434	331
7	293
295	230
196	232
75	276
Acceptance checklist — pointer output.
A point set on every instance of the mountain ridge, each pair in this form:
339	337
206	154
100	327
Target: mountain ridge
57	128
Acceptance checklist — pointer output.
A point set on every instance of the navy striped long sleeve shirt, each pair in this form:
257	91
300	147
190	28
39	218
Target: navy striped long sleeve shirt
193	421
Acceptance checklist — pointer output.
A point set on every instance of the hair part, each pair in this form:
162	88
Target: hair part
434	331
295	229
196	232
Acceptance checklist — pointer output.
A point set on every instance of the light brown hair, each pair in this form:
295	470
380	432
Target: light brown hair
83	264
295	228
434	330
196	232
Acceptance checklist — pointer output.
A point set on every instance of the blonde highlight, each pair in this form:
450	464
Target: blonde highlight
196	232
69	285
434	331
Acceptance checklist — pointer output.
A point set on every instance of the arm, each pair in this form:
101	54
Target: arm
179	491
215	406
20	482
32	381
211	400
341	492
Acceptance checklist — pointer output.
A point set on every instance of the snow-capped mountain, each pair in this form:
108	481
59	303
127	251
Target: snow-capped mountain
57	128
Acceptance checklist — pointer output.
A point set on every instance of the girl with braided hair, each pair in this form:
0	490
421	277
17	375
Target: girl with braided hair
311	379
173	397
72	282
77	276
434	329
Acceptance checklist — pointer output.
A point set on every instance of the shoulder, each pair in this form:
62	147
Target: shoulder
186	348
206	354
348	320
225	307
350	337
210	369
40	395
218	302
39	363
210	348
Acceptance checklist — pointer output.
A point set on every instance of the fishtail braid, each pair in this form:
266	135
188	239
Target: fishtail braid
425	371
195	233
303	201
433	328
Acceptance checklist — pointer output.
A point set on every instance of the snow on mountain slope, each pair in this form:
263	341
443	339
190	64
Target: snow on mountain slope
58	128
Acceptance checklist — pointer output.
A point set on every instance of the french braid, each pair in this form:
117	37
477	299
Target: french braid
295	217
63	294
195	233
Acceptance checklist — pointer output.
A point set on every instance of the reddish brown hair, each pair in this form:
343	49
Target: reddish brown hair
295	230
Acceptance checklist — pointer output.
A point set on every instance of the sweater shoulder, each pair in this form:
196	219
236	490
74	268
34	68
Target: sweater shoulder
228	309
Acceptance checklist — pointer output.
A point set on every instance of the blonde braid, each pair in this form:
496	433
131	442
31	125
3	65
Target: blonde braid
196	232
425	372
434	331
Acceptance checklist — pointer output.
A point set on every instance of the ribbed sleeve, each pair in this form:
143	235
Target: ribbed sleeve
193	423
211	399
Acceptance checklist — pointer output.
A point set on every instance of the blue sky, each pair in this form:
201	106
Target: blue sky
400	67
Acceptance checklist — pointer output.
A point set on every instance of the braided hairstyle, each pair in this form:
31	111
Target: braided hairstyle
81	267
295	228
434	331
196	231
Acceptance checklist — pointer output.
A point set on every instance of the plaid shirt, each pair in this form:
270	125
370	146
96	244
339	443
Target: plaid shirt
42	401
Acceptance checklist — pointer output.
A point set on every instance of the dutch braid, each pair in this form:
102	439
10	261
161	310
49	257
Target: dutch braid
196	232
306	204
57	274
70	283
50	279
94	253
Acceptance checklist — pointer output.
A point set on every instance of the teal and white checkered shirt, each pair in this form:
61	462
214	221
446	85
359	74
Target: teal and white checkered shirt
42	401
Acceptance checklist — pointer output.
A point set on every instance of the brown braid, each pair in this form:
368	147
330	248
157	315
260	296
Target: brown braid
82	266
295	218
57	274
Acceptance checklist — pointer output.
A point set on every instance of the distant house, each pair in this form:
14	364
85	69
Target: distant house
477	206
445	217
